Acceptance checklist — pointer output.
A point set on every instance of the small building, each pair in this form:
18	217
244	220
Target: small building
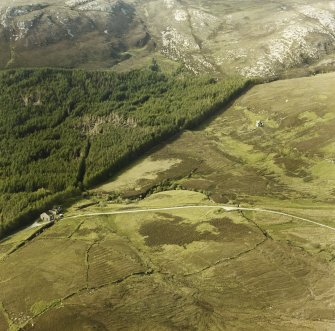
259	124
52	215
45	217
59	209
52	212
55	210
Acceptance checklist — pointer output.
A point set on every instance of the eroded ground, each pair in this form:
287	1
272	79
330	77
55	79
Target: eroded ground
138	265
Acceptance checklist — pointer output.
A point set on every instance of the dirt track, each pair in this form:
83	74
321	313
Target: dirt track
226	208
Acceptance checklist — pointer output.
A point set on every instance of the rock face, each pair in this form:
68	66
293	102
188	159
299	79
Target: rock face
73	33
252	38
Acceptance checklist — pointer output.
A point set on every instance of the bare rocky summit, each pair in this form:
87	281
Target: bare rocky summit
251	38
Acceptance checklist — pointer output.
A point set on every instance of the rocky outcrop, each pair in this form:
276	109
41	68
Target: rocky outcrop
72	33
249	38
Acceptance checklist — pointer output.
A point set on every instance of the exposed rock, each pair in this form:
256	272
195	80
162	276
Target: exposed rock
73	33
254	39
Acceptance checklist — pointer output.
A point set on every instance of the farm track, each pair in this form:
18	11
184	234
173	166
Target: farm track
41	227
226	208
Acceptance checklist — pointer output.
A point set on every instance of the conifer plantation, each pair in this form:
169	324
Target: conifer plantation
65	130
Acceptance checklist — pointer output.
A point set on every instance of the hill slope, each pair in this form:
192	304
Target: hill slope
117	264
261	38
69	129
71	33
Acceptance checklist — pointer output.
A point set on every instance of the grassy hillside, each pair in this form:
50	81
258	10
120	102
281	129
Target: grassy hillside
63	130
116	263
182	269
290	159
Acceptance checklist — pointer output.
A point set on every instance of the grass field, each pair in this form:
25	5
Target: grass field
197	268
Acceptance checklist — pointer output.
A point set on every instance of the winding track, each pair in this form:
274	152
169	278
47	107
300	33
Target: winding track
226	208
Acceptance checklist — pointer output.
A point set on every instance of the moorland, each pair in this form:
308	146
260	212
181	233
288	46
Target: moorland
227	226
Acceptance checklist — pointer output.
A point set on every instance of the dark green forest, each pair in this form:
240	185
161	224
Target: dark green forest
62	131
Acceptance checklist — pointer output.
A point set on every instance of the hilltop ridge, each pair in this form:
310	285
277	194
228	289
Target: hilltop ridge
252	39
